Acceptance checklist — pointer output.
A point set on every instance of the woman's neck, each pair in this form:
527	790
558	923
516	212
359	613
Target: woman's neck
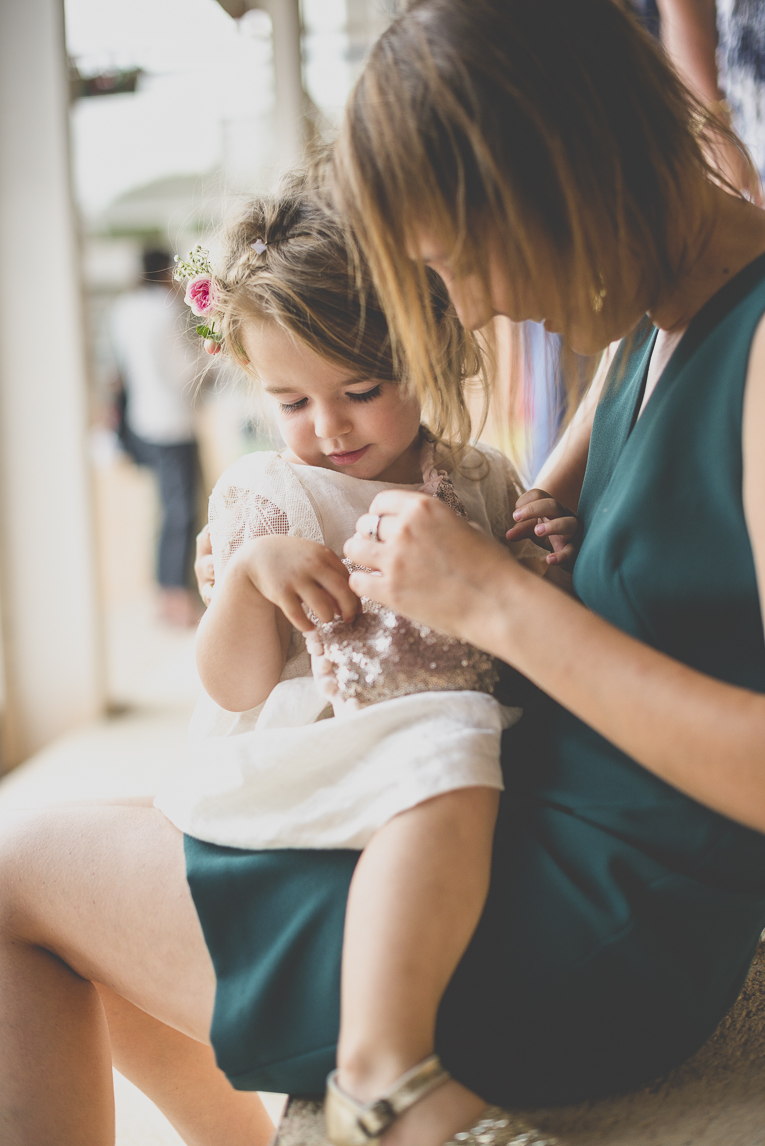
737	236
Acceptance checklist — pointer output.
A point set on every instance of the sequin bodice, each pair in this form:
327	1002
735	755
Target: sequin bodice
381	655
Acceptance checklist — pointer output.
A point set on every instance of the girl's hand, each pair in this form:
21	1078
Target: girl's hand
429	564
543	519
296	575
324	676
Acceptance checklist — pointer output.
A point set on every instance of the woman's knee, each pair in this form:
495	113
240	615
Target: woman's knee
22	843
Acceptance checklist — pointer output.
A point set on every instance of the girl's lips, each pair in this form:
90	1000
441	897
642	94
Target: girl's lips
349	458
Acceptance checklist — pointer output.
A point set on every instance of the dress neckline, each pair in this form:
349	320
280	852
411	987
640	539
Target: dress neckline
704	321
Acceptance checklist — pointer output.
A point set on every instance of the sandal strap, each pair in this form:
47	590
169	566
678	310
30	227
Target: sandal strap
373	1118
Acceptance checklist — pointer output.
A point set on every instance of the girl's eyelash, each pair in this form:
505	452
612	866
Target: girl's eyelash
366	396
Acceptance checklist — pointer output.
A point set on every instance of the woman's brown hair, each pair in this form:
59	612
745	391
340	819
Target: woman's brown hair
287	259
515	121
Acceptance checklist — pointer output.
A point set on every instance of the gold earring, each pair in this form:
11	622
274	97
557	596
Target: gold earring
596	297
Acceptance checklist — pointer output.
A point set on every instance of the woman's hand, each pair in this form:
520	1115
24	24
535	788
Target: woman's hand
542	518
203	565
296	575
428	564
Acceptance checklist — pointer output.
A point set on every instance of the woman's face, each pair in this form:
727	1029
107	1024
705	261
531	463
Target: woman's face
515	297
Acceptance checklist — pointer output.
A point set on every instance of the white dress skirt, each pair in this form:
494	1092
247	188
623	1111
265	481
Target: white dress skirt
291	774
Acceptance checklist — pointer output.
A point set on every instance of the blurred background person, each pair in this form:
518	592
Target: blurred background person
158	368
719	50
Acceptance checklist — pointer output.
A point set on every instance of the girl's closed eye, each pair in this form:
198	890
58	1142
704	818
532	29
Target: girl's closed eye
366	395
289	407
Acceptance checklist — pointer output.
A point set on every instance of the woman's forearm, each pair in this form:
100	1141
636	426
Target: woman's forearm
703	736
240	650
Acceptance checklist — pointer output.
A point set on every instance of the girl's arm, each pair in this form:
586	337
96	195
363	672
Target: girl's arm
244	636
701	735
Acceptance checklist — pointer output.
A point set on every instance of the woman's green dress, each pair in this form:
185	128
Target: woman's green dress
622	915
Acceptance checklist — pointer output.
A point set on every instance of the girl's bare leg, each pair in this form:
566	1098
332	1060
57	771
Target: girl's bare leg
415	900
90	894
181	1077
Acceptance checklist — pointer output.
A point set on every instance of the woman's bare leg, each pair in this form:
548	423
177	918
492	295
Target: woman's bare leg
181	1077
414	903
89	894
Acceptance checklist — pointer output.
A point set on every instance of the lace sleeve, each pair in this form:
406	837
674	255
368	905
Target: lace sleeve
503	487
258	496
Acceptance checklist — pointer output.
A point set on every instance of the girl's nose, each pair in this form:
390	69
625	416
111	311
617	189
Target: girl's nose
331	422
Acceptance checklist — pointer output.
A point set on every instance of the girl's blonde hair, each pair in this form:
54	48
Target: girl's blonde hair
311	282
555	131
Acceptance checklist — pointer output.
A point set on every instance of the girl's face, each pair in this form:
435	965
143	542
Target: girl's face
331	417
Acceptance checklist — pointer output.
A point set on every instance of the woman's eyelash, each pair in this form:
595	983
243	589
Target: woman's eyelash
288	407
367	395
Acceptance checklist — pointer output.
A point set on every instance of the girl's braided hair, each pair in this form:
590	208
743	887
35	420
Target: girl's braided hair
308	277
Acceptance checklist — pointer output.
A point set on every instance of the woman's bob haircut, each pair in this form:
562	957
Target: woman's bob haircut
554	132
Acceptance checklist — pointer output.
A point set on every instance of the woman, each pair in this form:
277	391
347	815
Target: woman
539	155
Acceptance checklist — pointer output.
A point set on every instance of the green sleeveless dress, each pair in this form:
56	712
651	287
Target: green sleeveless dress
622	915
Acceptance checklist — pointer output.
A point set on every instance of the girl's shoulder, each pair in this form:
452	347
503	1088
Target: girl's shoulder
256	496
489	466
250	472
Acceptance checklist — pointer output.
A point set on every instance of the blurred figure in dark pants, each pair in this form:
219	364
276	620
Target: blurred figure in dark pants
158	367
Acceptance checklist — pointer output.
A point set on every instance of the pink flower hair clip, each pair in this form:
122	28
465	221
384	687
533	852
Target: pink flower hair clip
196	272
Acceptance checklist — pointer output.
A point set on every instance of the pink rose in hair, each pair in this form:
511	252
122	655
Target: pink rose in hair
200	295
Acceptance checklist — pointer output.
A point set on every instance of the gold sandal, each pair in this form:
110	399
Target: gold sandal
352	1123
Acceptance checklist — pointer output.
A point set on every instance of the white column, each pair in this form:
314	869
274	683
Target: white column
48	584
293	107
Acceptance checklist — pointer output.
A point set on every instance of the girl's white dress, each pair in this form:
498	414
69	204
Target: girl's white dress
290	774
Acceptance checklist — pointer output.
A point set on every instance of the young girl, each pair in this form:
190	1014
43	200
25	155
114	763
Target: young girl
409	769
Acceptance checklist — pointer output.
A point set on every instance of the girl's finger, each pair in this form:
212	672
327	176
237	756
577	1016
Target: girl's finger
560	527
544	507
522	530
313	644
318	600
530	495
292	607
564	556
346	601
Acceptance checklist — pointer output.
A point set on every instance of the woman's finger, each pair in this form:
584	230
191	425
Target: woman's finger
373	527
362	551
203	565
391	502
365	584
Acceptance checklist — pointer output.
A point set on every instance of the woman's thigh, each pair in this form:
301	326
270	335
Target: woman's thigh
104	888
